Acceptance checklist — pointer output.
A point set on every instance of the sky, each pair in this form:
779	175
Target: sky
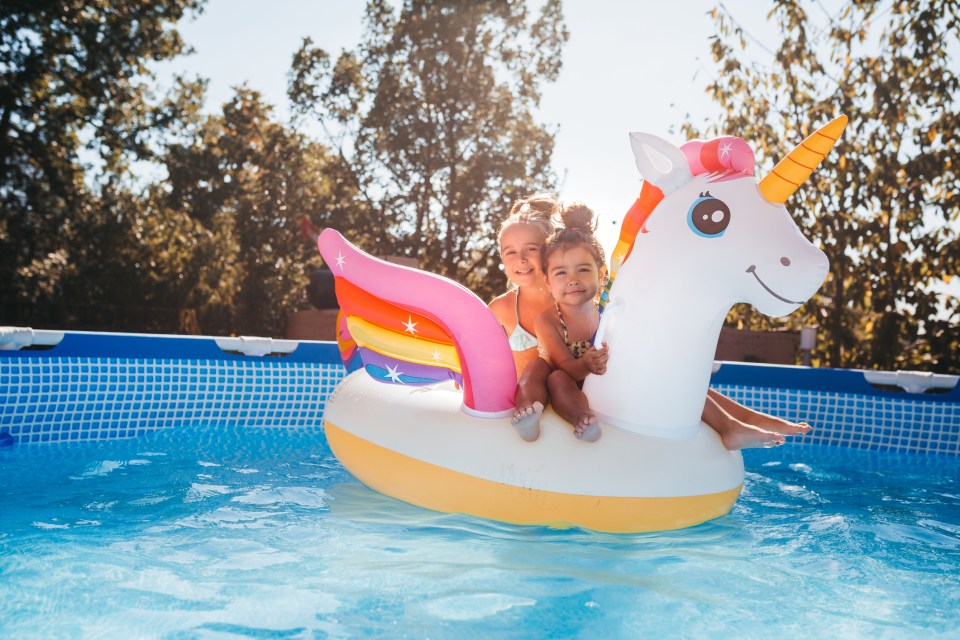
628	66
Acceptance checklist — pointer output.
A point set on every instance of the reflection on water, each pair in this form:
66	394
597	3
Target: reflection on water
238	533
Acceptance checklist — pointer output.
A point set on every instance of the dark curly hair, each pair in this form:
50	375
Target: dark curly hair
578	225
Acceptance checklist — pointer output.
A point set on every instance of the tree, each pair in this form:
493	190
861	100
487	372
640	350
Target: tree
433	114
885	205
224	229
76	109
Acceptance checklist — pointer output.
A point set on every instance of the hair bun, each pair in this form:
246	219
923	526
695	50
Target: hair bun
578	226
537	205
578	216
536	210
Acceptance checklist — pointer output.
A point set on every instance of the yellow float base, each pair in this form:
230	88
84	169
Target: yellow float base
434	487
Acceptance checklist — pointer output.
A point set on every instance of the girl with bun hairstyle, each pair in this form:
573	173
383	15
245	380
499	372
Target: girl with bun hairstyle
574	269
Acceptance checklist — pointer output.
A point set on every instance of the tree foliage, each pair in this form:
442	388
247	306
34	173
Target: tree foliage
434	114
76	110
226	224
122	209
885	206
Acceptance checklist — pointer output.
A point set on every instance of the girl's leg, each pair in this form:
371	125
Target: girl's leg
571	404
734	433
756	418
531	398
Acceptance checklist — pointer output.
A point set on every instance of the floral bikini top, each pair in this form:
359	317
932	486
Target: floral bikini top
577	347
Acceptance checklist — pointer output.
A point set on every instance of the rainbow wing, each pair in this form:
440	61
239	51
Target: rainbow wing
412	327
349	351
396	345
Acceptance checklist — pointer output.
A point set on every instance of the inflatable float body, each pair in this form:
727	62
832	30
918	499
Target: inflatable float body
426	418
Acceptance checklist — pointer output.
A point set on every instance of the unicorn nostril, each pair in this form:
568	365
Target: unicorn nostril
785	261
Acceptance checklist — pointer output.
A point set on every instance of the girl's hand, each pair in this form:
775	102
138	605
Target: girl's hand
596	359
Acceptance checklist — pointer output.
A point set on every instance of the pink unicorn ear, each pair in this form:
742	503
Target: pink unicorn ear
660	162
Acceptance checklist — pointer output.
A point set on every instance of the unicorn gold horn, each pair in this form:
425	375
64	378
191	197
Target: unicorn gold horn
789	174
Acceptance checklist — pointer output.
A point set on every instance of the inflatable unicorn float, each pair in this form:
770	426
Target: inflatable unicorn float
703	235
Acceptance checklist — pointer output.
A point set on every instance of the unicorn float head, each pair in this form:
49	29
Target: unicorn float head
704	235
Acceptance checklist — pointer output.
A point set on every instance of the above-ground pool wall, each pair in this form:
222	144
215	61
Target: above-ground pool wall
846	410
100	386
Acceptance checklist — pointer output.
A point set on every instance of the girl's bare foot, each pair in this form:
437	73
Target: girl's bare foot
745	436
778	425
527	421
728	408
588	429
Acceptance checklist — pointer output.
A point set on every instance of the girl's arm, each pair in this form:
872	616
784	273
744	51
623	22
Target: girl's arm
554	348
502	309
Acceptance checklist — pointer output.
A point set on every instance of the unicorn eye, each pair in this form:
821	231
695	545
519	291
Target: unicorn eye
708	217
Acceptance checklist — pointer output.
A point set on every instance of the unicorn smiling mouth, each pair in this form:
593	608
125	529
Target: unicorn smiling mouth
753	269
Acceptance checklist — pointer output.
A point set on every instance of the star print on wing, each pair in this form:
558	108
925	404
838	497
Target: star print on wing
436	355
411	326
393	374
341	260
725	149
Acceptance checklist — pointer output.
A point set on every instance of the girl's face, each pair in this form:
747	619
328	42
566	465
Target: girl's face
573	276
520	246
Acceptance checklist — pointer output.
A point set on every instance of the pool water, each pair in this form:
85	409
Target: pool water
260	533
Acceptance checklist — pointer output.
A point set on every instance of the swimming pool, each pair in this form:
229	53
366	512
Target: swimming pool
192	494
258	532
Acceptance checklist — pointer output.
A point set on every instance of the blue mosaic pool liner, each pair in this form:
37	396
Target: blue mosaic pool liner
108	386
98	386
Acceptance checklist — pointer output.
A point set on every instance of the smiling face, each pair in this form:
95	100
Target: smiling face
573	276
520	246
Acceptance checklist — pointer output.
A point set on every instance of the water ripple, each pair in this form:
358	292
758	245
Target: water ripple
261	533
